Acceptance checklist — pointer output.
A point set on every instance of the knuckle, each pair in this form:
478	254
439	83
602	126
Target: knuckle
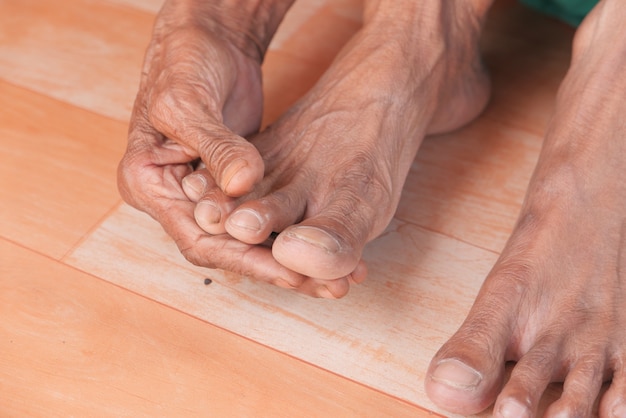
165	108
218	149
128	182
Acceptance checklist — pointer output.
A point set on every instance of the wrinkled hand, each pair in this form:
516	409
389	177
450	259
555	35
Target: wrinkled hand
199	96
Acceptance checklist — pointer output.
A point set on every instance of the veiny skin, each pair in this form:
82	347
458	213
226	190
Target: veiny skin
329	173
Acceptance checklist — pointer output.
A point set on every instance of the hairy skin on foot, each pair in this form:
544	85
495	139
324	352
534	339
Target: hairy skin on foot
554	301
336	162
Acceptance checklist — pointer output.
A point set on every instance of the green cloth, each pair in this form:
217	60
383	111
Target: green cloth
570	11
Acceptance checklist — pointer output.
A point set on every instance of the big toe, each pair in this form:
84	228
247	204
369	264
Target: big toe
317	251
467	373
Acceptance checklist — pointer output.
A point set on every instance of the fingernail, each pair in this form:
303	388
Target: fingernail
457	375
194	186
513	409
246	219
235	178
316	237
207	213
619	411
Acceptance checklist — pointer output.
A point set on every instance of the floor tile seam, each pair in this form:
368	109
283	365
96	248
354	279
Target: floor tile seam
223	329
126	6
90	231
447	235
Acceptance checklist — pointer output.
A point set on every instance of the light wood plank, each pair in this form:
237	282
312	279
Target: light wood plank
73	345
382	334
306	26
57	177
84	52
151	6
279	71
307	41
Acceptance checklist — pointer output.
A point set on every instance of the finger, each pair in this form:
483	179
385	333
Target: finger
222	251
156	189
212	205
149	169
232	161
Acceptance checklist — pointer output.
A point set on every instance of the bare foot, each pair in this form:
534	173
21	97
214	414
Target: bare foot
554	302
200	93
337	161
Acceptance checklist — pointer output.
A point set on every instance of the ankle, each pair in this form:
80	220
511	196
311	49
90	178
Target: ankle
429	16
428	32
249	25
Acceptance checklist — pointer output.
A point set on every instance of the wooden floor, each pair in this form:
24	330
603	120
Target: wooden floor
101	316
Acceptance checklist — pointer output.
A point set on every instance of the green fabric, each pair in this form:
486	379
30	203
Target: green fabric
570	11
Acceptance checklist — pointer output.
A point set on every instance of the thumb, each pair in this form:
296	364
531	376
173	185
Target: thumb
234	163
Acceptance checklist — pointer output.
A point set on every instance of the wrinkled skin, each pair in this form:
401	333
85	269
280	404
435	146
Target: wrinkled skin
328	175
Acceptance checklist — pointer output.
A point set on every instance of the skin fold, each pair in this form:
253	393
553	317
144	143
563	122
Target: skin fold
328	174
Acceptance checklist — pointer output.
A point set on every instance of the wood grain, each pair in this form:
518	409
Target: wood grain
382	334
57	177
101	316
84	52
73	345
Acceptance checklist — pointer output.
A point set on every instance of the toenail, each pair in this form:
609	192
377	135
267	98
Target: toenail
246	219
315	236
456	374
513	409
207	213
194	186
619	411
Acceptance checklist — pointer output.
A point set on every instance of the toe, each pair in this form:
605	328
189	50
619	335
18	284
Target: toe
195	185
534	371
208	216
613	403
359	274
316	251
336	288
253	222
466	374
212	205
327	289
328	244
580	390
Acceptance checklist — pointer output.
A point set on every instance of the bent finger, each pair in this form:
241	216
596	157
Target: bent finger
232	161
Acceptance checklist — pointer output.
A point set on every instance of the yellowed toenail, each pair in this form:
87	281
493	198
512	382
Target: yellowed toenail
619	411
246	219
315	236
207	213
513	409
456	374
